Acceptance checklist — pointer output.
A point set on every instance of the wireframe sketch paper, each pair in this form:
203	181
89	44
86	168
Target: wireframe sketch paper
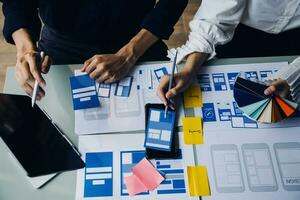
253	164
122	104
220	111
110	158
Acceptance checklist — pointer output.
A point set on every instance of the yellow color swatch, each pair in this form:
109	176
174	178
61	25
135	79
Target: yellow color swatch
192	130
193	97
198	181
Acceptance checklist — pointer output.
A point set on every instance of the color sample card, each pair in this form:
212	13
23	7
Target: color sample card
192	130
252	101
159	131
198	181
84	92
144	177
193	97
123	87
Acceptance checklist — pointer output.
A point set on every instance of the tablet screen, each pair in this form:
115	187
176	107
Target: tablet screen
35	142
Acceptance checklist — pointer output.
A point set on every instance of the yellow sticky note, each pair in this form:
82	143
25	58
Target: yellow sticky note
198	181
193	97
192	130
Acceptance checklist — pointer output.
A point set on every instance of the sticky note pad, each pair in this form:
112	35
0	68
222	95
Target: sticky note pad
123	87
198	181
159	131
134	185
84	92
192	130
193	97
144	177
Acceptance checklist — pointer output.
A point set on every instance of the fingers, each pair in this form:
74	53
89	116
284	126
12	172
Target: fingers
86	64
31	59
46	64
92	66
270	90
162	87
276	87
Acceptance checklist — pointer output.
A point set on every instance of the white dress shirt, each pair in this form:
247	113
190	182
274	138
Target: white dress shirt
215	22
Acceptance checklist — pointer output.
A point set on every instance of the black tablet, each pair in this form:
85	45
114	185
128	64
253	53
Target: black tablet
33	139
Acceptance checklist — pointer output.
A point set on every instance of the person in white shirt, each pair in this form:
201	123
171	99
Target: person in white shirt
240	28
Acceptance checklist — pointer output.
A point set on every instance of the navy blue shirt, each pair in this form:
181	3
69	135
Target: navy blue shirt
104	22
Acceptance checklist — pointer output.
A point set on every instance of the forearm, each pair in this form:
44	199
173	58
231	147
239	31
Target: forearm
138	45
23	40
194	61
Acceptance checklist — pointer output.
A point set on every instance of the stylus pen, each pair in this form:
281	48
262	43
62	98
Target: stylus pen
36	84
171	79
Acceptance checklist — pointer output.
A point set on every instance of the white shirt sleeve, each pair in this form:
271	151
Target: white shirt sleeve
213	24
292	75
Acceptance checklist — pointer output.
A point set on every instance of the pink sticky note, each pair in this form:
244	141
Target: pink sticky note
134	185
147	174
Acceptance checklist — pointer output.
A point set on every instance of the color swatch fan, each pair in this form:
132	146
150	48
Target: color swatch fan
250	97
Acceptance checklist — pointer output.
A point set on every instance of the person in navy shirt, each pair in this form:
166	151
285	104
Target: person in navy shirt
108	36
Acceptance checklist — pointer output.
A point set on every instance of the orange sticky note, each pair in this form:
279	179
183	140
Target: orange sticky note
192	130
192	97
198	181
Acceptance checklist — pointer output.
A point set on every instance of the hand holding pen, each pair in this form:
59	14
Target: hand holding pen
171	83
36	83
29	68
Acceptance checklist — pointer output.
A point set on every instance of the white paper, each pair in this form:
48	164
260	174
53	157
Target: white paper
123	149
118	114
216	85
244	164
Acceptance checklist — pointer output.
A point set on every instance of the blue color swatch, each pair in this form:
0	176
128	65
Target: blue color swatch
159	131
208	112
98	174
84	92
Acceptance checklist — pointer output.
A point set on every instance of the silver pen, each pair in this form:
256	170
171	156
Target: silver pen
171	79
36	84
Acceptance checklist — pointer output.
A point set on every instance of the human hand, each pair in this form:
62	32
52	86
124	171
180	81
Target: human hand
29	69
109	68
181	81
279	87
29	66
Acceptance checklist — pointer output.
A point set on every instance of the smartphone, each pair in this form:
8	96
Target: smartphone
153	153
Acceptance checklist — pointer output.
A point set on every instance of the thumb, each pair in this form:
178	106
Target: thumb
174	91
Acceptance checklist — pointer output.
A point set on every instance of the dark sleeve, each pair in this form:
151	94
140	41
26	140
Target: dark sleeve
163	17
21	14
